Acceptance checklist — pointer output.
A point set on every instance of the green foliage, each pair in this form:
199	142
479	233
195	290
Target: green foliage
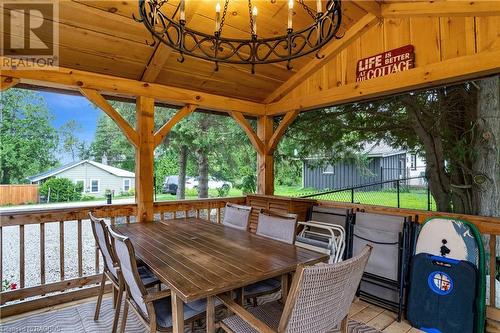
223	191
69	141
110	144
28	140
86	197
247	184
61	190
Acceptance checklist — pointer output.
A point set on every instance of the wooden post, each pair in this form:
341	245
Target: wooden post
144	158
265	160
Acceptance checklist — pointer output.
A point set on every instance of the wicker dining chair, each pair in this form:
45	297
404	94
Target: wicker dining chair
280	227
319	301
102	239
154	308
237	216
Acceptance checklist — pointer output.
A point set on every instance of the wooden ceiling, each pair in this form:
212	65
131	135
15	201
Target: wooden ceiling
102	37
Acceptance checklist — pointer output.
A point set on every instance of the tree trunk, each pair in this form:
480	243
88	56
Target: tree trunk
486	167
181	188
439	182
202	160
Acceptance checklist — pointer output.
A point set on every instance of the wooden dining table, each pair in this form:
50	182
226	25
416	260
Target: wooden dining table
198	259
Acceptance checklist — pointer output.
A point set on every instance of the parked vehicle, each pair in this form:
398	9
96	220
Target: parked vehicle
172	182
170	185
213	183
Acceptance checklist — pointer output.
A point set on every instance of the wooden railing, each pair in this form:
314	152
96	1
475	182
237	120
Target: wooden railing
81	282
489	227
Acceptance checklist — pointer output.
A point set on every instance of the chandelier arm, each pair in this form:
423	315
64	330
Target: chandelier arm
251	51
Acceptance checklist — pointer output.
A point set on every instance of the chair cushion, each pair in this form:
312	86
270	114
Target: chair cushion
163	309
147	277
262	287
269	313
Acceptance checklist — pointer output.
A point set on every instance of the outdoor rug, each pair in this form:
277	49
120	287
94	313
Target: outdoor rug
80	319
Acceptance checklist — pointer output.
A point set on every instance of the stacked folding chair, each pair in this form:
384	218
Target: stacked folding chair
385	276
326	232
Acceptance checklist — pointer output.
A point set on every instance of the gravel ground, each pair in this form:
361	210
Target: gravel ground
10	252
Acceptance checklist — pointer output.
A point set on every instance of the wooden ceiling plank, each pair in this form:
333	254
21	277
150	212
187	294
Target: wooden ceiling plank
441	8
112	85
370	6
7	82
98	100
245	125
165	129
444	72
329	51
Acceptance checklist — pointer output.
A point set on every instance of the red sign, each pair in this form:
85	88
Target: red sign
386	63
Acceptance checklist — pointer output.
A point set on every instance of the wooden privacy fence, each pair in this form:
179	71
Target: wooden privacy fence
18	194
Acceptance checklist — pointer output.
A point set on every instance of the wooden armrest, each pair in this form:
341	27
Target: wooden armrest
245	315
150	297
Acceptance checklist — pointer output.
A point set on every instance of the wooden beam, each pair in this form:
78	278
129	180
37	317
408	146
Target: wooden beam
265	160
444	72
159	58
329	52
278	133
165	129
441	8
66	78
162	52
7	82
144	159
370	6
98	100
245	125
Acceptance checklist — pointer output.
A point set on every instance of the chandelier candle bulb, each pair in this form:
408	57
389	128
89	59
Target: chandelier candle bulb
318	6
290	14
217	17
254	14
182	9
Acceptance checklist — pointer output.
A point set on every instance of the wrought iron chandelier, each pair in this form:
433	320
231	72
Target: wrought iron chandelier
172	30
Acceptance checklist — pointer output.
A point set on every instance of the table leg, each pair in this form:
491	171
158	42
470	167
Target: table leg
284	287
177	314
210	314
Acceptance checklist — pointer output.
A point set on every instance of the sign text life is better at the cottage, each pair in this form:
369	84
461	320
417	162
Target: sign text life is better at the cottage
386	63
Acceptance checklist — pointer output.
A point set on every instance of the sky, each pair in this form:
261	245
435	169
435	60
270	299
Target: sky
69	107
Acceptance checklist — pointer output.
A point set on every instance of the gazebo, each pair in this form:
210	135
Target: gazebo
103	55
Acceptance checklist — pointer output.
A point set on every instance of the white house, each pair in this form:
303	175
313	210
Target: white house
95	177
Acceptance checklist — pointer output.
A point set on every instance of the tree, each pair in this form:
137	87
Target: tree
69	141
440	123
486	166
28	139
110	145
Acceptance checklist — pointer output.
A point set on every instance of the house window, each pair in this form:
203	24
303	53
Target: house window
126	185
413	161
94	185
80	182
329	170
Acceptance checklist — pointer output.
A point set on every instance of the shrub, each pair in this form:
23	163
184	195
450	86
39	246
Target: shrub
223	191
247	184
87	197
61	189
